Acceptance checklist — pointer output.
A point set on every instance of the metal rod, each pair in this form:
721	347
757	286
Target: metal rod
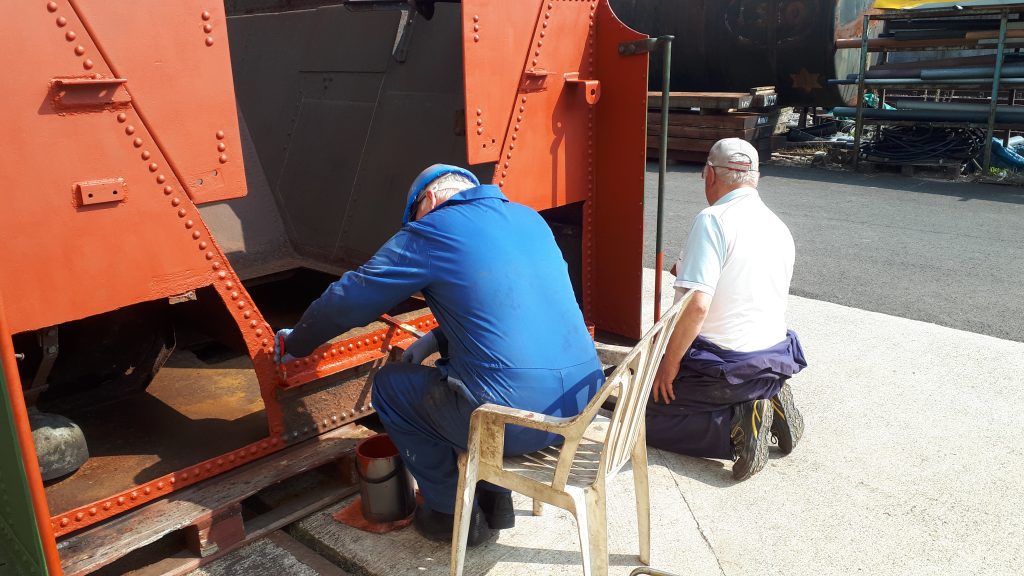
917	81
979	117
859	124
995	93
659	258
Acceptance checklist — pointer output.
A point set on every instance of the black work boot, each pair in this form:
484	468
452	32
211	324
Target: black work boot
751	423
497	508
787	423
438	526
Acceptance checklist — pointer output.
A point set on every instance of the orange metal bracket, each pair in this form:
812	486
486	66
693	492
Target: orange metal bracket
591	88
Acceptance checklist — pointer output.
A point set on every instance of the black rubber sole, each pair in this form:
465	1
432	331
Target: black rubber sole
787	422
760	457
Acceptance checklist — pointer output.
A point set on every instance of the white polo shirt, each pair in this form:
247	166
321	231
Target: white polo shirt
741	254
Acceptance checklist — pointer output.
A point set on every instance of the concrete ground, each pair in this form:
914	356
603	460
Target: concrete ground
909	465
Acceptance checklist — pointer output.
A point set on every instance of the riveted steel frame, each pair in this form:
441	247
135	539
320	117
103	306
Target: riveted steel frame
567	100
194	257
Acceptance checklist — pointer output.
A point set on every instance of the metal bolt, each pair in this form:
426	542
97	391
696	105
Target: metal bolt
62	21
145	154
202	245
87	64
196	235
209	40
209	255
220	134
189	224
153	167
51	6
70	35
137	142
79	50
221	146
160	179
223	158
207	28
205	15
181	213
121	117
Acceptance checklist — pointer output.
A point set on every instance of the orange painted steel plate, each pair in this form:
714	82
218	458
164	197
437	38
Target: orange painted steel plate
618	209
495	42
546	157
64	260
174	54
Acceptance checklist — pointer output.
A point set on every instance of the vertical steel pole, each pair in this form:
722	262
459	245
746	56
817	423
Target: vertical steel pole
659	259
995	94
859	124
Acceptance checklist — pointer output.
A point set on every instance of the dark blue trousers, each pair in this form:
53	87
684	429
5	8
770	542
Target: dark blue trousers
427	416
711	382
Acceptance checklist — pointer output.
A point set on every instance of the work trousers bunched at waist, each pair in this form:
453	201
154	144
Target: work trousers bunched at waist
711	381
427	413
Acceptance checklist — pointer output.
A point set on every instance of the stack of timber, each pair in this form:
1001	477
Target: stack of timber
699	119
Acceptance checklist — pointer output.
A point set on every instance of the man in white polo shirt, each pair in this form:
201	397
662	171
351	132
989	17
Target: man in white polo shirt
721	387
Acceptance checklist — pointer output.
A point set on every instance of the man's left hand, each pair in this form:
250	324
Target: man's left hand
664	391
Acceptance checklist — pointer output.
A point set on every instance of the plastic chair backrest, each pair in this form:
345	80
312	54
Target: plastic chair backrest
634	378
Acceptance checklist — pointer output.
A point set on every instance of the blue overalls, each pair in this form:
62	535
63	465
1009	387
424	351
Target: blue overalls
497	283
710	382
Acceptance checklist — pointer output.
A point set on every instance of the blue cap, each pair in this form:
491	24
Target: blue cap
428	176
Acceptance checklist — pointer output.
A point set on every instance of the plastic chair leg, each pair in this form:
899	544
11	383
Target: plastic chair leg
597	525
463	511
641	486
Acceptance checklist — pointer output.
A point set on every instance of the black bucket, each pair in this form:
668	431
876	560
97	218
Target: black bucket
385	485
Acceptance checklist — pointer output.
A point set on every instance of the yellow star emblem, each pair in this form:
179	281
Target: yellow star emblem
806	81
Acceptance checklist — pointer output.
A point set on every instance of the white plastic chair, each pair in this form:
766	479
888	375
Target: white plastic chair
572	476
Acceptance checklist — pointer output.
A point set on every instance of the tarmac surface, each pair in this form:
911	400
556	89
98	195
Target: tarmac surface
910	464
946	252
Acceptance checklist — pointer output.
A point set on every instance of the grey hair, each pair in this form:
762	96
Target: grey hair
738	177
447	185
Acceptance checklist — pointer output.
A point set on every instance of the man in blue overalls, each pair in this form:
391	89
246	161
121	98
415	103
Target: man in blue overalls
511	333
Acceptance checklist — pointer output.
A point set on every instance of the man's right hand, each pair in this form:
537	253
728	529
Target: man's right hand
280	358
419	350
663	389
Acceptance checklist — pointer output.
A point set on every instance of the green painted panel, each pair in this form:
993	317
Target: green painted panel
21	550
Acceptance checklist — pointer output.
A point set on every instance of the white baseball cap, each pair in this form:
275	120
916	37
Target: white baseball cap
734	154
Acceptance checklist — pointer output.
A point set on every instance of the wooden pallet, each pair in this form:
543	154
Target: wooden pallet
712	100
209	516
705	132
740	120
703	145
950	170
